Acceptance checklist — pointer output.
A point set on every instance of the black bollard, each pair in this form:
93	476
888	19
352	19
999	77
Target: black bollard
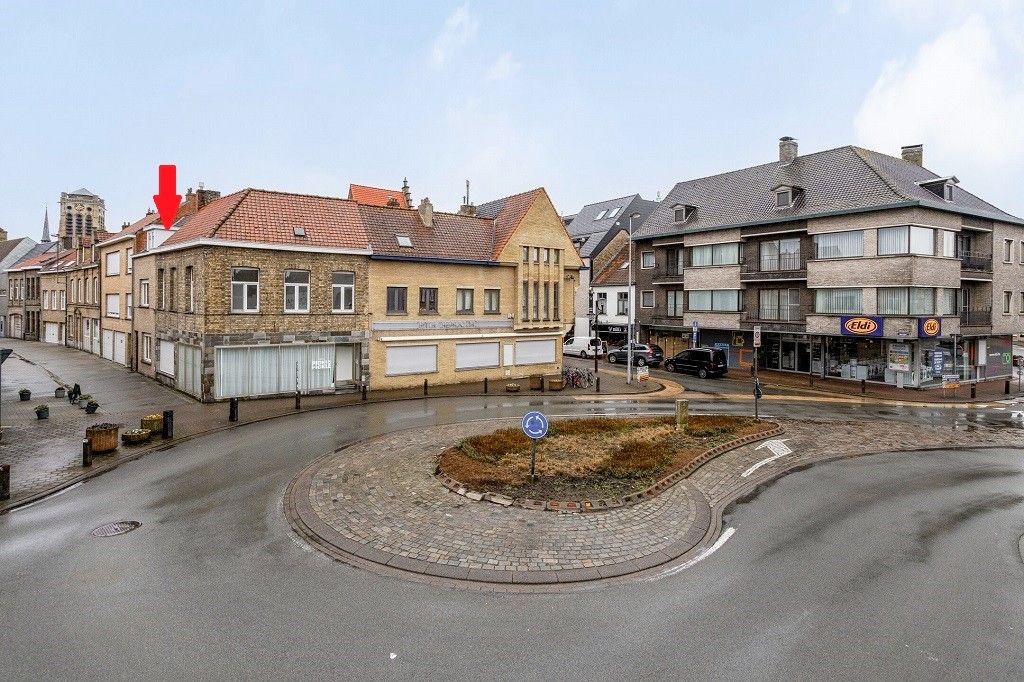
974	391
1006	388
542	384
364	391
424	387
598	384
233	410
5	481
168	431
86	453
485	384
863	386
298	400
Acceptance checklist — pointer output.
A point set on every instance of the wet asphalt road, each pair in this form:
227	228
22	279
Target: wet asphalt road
889	566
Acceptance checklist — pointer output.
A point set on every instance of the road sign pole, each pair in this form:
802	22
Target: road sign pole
757	384
533	459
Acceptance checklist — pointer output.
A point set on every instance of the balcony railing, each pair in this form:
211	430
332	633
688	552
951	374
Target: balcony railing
976	262
976	318
673	274
794	313
787	266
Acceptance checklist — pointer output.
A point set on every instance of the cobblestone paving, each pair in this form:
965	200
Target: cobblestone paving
382	494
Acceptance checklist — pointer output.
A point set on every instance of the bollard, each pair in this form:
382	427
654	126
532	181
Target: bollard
598	382
974	390
364	391
1006	388
5	481
424	387
298	400
682	414
485	384
233	410
542	384
863	386
86	453
168	431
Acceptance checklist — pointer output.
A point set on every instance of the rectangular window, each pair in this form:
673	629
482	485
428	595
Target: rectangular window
113	305
547	255
647	259
536	300
190	285
128	254
558	256
646	299
547	300
526	301
113	263
476	355
602	302
46	302
172	299
526	254
492	301
296	291
622	303
922	301
779	304
245	290
838	301
160	289
922	241
945	303
700	300
343	292
674	261
428	300
715	254
536	254
1020	252
839	244
558	301
1007	250
396	301
63	300
128	314
147	348
1007	302
948	244
411	359
1022	303
464	301
725	300
675	303
165	359
780	254
143	292
906	301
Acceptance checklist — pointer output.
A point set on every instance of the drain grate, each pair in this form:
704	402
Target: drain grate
117	528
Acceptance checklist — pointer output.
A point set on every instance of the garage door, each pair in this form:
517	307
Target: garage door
51	332
108	344
535	352
120	347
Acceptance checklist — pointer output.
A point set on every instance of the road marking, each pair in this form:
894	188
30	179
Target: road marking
700	557
776	446
47	497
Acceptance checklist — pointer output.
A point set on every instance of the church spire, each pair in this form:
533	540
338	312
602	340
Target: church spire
46	225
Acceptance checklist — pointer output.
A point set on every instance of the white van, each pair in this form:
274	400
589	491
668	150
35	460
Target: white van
584	347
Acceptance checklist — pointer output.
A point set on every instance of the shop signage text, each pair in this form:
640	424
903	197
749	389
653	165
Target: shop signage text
938	361
404	325
899	357
860	325
928	327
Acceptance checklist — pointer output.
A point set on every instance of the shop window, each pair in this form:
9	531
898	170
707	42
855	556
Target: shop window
343	292
296	291
245	290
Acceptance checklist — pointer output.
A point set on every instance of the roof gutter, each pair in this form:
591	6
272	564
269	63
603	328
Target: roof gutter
429	259
262	246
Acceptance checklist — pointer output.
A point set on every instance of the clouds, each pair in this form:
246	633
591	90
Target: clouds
503	68
960	94
459	30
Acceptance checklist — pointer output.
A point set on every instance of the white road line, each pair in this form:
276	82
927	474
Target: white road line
762	463
700	557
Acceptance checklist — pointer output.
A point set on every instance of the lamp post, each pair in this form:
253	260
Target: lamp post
629	306
595	335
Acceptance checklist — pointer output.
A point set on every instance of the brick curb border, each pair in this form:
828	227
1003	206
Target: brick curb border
606	503
318	534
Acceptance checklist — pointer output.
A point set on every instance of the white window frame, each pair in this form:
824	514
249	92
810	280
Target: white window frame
296	289
143	293
116	313
342	288
128	253
128	312
460	293
244	308
487	301
643	260
115	257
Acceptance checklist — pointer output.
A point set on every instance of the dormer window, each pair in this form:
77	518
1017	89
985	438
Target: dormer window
784	197
682	212
940	187
947	191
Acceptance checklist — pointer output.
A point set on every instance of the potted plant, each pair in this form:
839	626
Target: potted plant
83	400
512	388
134	436
556	384
58	392
25	394
42	411
102	437
154	423
91	407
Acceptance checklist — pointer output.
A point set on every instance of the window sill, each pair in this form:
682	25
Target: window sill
431	313
463	312
492	312
296	312
242	312
343	312
396	314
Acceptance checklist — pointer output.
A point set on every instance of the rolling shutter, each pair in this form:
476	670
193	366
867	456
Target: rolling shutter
411	359
473	355
535	352
166	360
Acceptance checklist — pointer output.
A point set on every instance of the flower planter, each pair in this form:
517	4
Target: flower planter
43	412
135	436
91	407
84	400
25	394
58	392
555	384
512	388
154	423
102	438
536	382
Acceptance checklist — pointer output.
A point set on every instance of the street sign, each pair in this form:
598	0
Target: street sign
951	381
693	340
4	353
643	373
757	336
938	361
535	425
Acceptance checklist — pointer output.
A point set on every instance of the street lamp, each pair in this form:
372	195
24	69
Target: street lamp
629	305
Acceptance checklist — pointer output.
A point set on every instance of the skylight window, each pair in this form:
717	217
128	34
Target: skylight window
601	214
299	231
614	212
403	240
624	265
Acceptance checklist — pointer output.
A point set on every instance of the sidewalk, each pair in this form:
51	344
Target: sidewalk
985	391
46	455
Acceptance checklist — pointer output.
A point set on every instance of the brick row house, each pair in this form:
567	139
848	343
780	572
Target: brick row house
24	303
55	300
853	263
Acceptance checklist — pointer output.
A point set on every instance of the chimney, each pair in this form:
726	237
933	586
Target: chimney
426	211
787	149
407	192
3	235
467	207
206	196
914	153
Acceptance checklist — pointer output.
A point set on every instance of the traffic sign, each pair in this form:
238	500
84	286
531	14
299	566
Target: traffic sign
535	425
757	336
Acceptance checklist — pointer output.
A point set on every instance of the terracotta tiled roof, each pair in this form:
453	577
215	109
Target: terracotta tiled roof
61	261
145	221
507	214
266	217
452	237
614	273
36	260
376	196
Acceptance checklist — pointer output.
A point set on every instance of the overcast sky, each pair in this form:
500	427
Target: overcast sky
592	100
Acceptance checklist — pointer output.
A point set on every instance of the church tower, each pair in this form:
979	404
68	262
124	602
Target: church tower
82	218
46	226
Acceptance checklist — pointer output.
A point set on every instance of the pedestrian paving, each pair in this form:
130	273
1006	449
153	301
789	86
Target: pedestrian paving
46	455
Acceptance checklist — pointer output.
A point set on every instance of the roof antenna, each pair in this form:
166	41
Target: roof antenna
466	198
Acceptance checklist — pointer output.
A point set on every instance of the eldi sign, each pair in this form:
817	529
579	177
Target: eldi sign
928	327
860	325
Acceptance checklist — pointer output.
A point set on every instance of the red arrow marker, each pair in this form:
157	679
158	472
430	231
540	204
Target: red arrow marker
167	201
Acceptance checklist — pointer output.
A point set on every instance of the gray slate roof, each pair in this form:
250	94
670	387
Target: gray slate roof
596	232
846	179
83	192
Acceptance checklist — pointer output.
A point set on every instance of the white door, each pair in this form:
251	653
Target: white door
108	344
120	345
343	363
86	335
52	332
16	326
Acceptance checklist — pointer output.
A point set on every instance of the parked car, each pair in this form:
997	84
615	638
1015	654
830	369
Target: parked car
643	354
583	347
704	362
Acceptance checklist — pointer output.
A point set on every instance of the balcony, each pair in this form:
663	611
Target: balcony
785	267
975	264
976	318
671	275
776	318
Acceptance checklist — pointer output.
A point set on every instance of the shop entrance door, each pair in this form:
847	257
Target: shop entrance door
343	362
803	356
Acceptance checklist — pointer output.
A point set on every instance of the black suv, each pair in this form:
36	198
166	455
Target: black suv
643	354
704	362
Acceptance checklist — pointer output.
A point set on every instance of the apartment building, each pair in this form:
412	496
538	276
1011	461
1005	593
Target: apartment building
53	282
484	293
853	263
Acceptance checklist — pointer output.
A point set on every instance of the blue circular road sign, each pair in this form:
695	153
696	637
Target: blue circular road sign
535	425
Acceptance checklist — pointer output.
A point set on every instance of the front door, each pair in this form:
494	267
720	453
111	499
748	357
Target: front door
343	363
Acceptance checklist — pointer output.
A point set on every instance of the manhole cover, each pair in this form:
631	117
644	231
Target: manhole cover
117	528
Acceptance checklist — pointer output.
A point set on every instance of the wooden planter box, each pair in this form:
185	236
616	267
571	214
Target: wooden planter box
536	382
512	388
132	438
102	438
555	385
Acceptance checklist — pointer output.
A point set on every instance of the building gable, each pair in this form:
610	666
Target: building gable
541	225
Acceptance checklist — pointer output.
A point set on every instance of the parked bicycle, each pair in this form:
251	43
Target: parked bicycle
573	377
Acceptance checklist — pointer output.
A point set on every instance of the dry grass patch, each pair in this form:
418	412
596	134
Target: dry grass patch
589	458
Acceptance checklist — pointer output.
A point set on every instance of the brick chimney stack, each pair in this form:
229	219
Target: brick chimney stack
407	192
3	235
787	149
914	153
426	211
